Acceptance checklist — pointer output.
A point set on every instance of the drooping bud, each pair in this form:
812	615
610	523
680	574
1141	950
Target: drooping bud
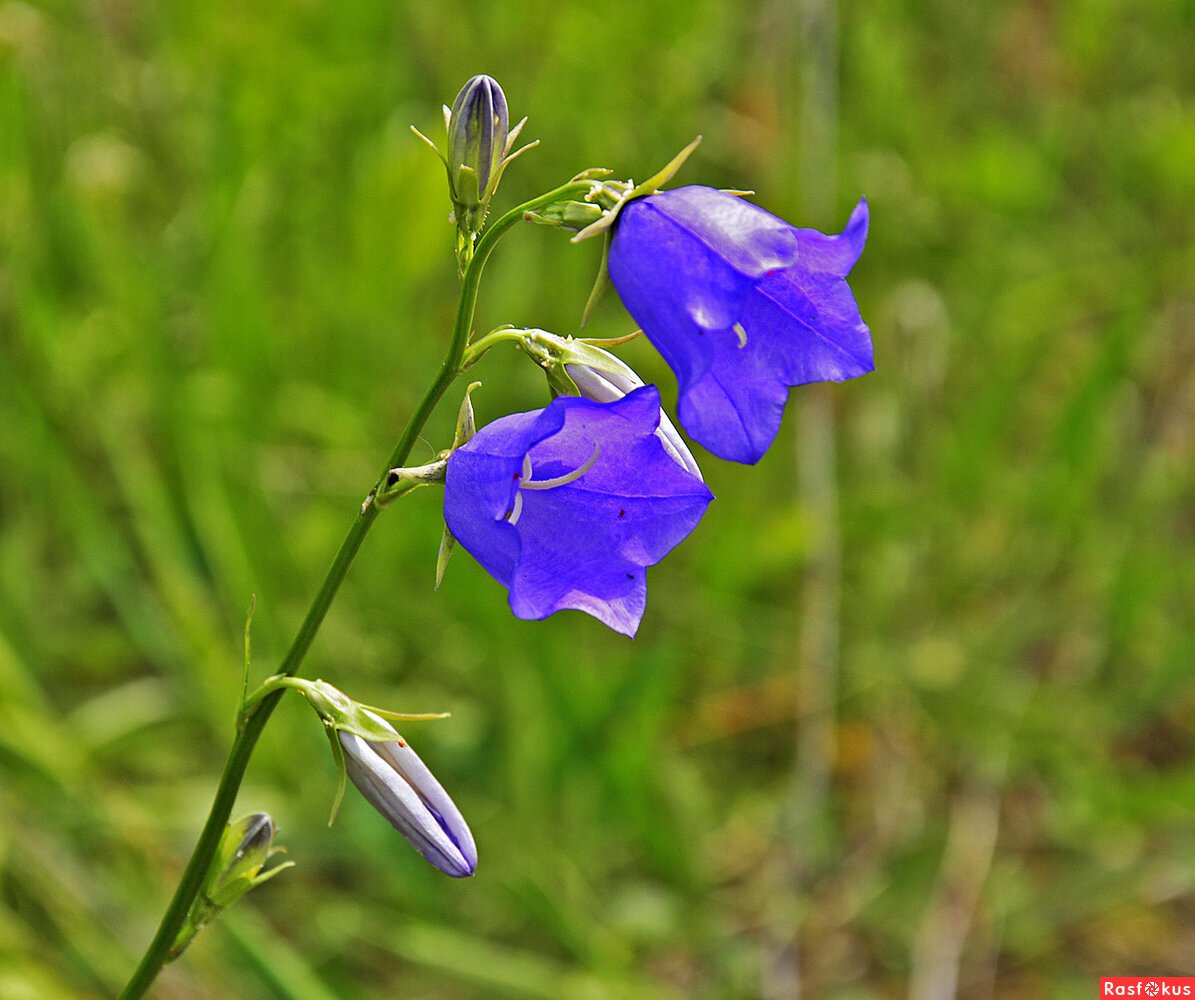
478	127
387	772
399	786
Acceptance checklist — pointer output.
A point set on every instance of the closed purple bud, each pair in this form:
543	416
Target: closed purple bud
398	785
478	126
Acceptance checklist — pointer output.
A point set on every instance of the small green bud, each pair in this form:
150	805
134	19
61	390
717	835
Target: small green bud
478	128
245	847
575	215
248	843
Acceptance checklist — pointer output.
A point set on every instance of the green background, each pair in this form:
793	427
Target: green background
909	715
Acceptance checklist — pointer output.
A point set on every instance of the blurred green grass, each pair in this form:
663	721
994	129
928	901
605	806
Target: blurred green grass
225	275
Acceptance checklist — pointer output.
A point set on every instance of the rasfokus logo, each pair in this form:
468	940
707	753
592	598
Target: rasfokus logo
1147	986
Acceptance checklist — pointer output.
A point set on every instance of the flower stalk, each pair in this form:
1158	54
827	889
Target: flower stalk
254	720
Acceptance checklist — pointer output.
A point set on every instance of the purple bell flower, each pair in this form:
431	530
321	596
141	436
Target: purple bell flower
567	506
742	306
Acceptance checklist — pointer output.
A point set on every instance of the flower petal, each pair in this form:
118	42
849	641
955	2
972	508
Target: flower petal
399	755
607	385
835	254
655	258
814	325
736	407
483	478
745	236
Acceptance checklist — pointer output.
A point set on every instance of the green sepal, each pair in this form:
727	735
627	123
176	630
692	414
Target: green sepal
560	383
248	657
234	890
434	148
447	544
551	351
341	712
600	283
341	773
593	174
466	422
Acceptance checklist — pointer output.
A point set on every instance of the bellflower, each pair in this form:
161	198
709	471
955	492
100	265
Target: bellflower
741	305
398	785
567	506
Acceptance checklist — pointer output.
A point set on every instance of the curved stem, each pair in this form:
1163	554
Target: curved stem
482	345
464	316
158	952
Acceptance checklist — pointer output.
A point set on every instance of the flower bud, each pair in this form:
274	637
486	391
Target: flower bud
398	785
574	215
246	846
477	132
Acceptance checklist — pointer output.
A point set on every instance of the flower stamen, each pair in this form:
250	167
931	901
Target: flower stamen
517	509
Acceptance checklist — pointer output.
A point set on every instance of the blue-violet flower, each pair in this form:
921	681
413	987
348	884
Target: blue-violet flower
741	305
567	506
398	785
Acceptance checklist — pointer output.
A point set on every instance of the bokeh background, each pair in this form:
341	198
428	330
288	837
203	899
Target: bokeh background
909	715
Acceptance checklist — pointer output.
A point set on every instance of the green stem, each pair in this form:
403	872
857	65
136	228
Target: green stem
479	347
158	952
464	316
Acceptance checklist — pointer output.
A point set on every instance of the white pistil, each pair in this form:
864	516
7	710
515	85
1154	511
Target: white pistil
741	334
568	477
527	483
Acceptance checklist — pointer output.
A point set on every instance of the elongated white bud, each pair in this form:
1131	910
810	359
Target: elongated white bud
399	786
